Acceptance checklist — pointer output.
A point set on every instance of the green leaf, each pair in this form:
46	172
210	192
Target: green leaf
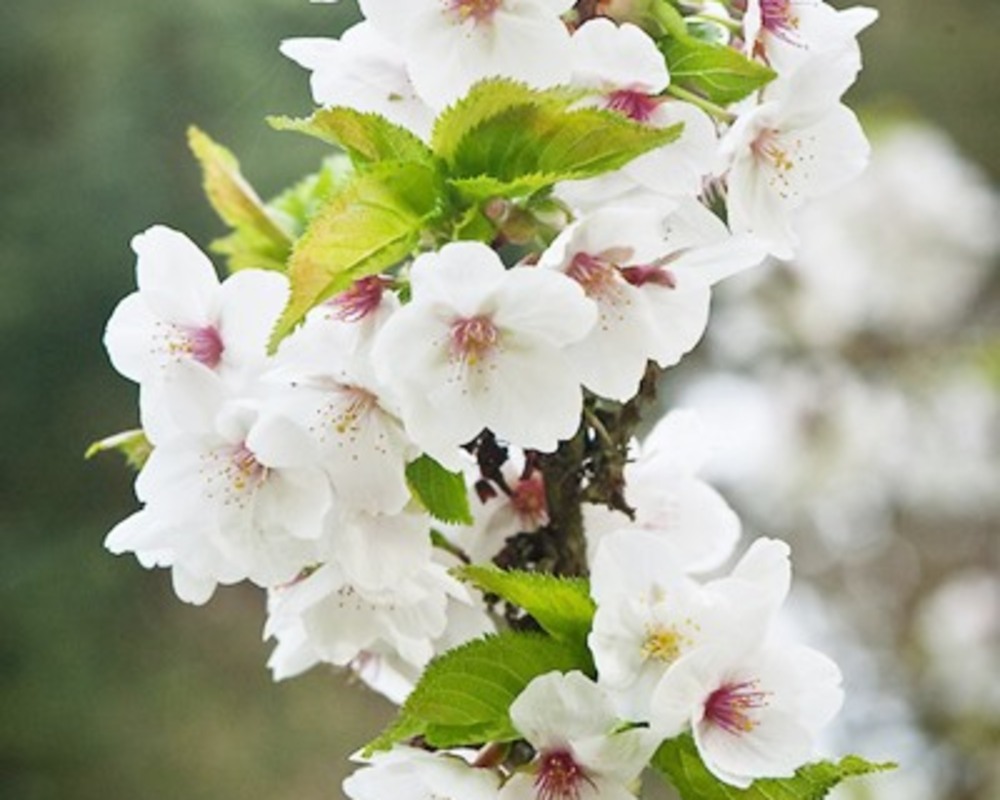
298	204
716	72
259	240
375	222
562	606
442	493
464	695
367	138
132	445
679	762
487	99
531	147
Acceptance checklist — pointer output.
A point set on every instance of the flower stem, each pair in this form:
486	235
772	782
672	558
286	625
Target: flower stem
707	106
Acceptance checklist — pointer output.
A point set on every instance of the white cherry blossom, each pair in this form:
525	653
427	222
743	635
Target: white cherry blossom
581	754
364	71
325	617
479	347
226	502
799	143
182	315
628	74
649	614
753	714
451	44
651	281
326	388
787	32
662	486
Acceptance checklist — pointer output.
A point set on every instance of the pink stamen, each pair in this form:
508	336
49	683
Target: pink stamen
633	104
594	273
204	345
778	17
560	777
362	299
473	339
650	274
731	706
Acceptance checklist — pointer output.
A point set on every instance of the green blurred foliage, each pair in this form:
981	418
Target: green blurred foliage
109	687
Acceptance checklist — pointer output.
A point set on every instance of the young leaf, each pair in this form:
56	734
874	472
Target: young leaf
299	203
717	72
259	237
487	99
678	761
442	493
367	138
134	447
562	606
464	695
373	223
531	147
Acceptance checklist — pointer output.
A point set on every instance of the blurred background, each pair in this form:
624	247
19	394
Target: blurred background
856	392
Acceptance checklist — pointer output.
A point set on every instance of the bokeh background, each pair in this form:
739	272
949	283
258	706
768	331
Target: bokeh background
857	392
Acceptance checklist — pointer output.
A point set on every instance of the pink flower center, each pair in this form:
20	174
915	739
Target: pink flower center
473	339
643	275
528	499
596	274
245	471
560	777
479	11
778	17
204	345
633	104
362	299
731	706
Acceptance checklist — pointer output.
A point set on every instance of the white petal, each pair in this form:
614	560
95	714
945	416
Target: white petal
557	708
176	279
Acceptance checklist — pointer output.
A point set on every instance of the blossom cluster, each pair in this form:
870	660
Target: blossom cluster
300	444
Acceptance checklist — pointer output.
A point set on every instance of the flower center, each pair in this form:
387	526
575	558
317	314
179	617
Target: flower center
245	471
473	339
597	274
633	104
204	345
778	17
346	413
479	11
528	499
361	300
731	706
664	644
560	777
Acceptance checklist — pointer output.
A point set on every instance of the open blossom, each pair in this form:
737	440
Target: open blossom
649	614
581	753
628	74
787	32
753	714
226	501
451	44
479	347
182	315
651	280
326	389
326	617
799	143
662	486
362	70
